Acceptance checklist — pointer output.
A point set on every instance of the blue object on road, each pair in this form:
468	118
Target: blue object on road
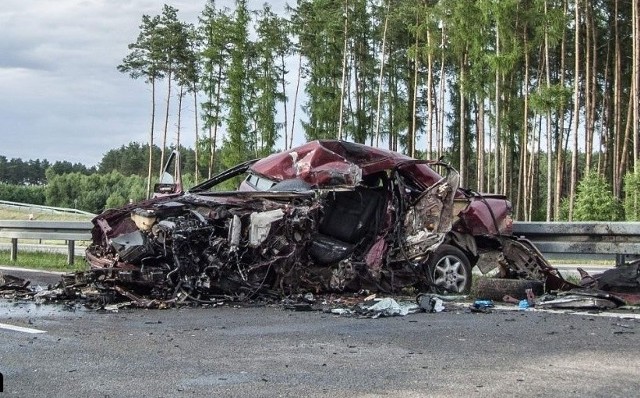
483	303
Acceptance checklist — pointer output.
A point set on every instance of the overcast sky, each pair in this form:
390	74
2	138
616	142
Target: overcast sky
62	97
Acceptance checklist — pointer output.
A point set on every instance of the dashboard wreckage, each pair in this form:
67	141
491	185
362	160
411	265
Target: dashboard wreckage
328	216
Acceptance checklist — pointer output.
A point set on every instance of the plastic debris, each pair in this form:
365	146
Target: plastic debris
388	307
438	305
523	304
481	306
341	311
430	302
483	303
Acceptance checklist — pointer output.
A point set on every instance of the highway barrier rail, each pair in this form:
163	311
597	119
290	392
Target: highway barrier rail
43	209
619	239
69	231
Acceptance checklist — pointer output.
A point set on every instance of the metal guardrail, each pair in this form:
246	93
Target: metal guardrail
621	239
69	231
41	208
616	238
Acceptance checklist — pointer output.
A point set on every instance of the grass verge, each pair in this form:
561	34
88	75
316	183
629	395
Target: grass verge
43	261
35	214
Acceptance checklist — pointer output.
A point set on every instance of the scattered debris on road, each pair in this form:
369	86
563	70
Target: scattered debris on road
13	283
93	291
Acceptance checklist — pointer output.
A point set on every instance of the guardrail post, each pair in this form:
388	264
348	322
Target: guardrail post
71	251
14	249
620	259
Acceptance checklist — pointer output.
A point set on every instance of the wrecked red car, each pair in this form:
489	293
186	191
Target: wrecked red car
328	216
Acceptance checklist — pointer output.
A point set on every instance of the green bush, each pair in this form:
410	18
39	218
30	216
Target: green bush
595	201
632	196
33	194
95	192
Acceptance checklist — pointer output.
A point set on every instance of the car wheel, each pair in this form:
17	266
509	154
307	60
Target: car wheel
450	269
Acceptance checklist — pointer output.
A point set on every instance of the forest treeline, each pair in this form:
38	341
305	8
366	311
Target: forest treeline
119	177
537	99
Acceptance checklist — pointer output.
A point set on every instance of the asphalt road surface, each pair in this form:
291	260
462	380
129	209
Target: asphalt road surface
267	351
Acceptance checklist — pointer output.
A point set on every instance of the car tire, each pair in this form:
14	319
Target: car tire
497	288
449	269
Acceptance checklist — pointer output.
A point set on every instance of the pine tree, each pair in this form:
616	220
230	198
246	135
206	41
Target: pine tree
145	60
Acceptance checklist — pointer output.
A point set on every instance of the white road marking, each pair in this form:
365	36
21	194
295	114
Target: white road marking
20	328
585	312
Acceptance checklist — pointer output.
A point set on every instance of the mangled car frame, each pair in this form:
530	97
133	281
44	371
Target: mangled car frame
328	216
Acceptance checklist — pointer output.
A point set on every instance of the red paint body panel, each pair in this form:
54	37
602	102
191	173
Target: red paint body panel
478	217
325	162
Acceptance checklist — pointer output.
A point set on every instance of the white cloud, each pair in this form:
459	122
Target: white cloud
62	97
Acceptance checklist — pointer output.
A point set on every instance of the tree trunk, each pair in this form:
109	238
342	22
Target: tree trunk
429	96
531	169
295	103
524	137
535	168
590	83
635	92
588	133
617	106
166	122
625	141
576	110
284	101
210	93
195	112
153	118
480	132
344	70
606	116
214	136
414	108
463	127
560	126
547	68
442	95
179	125
381	74
496	168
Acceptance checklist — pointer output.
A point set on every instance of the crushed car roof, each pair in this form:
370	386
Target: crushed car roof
334	162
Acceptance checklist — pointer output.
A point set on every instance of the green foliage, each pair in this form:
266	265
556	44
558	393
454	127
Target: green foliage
271	47
127	160
595	200
564	209
549	99
34	172
16	171
319	26
33	194
145	59
94	193
131	159
176	54
238	145
120	180
214	31
632	196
